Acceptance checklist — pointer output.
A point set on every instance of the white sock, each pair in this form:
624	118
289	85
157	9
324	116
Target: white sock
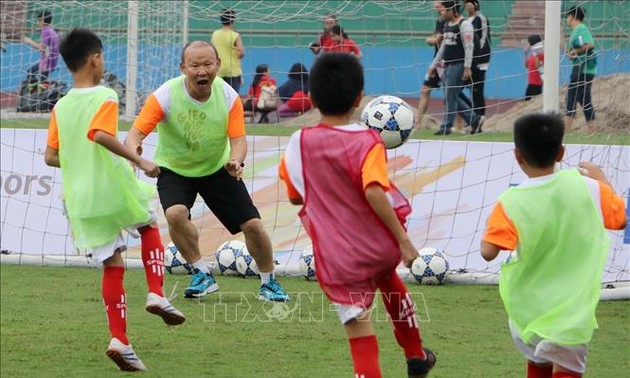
265	277
201	265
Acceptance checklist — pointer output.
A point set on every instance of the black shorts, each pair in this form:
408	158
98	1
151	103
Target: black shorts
227	197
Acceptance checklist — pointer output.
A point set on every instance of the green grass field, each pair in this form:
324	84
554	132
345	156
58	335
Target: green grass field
281	130
53	325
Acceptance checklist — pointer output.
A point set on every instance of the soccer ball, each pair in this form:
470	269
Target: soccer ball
430	268
307	264
226	256
174	262
391	117
246	265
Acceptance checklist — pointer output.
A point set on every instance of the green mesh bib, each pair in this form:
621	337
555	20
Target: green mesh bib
193	139
553	288
102	194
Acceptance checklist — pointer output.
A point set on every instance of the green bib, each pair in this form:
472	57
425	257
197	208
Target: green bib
193	139
102	194
552	289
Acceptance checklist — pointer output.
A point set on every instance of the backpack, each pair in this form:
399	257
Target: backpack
269	98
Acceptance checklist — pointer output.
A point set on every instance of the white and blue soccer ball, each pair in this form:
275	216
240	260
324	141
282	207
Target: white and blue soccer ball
307	263
246	265
431	267
391	117
226	256
174	262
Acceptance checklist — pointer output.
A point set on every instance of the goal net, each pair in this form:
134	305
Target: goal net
452	184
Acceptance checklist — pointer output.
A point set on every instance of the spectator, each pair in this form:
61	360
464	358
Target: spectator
48	46
324	42
230	48
534	60
457	52
294	92
343	43
582	54
481	58
261	78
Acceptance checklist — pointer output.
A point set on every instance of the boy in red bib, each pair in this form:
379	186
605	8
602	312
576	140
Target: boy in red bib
354	215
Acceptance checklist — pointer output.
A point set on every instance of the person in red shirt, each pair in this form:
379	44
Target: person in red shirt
324	42
261	78
353	258
343	43
534	60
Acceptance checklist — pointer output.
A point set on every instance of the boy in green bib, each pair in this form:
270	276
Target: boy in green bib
551	289
103	197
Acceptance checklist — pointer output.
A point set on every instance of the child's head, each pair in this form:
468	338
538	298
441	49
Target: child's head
44	18
298	71
228	16
534	39
575	15
449	11
538	139
81	49
336	83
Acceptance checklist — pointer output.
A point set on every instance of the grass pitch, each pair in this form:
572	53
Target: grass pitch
53	325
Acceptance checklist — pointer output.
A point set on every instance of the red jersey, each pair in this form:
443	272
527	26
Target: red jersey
533	72
347	46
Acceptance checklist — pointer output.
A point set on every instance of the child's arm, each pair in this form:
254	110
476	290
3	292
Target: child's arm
382	207
612	205
489	251
112	144
51	157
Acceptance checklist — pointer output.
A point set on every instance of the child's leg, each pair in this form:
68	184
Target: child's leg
363	346
114	296
537	370
560	372
153	258
401	310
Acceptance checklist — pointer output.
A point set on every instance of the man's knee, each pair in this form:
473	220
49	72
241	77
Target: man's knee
253	227
176	214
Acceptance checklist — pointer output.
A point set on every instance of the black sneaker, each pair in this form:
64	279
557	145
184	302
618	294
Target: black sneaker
443	132
477	129
418	368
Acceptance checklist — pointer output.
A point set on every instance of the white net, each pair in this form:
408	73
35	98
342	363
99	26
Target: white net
452	185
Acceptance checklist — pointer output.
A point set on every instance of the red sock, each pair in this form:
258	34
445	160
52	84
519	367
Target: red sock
539	371
402	313
365	357
115	302
153	259
566	374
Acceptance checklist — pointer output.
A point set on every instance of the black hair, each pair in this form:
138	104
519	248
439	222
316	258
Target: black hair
534	39
77	46
195	42
452	5
261	70
338	30
46	16
228	16
538	137
298	71
473	2
335	82
577	12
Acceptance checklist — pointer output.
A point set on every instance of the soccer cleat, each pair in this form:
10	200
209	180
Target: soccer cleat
273	291
418	368
124	356
162	307
202	283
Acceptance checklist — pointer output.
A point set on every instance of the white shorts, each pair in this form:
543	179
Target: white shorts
348	312
540	351
103	252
